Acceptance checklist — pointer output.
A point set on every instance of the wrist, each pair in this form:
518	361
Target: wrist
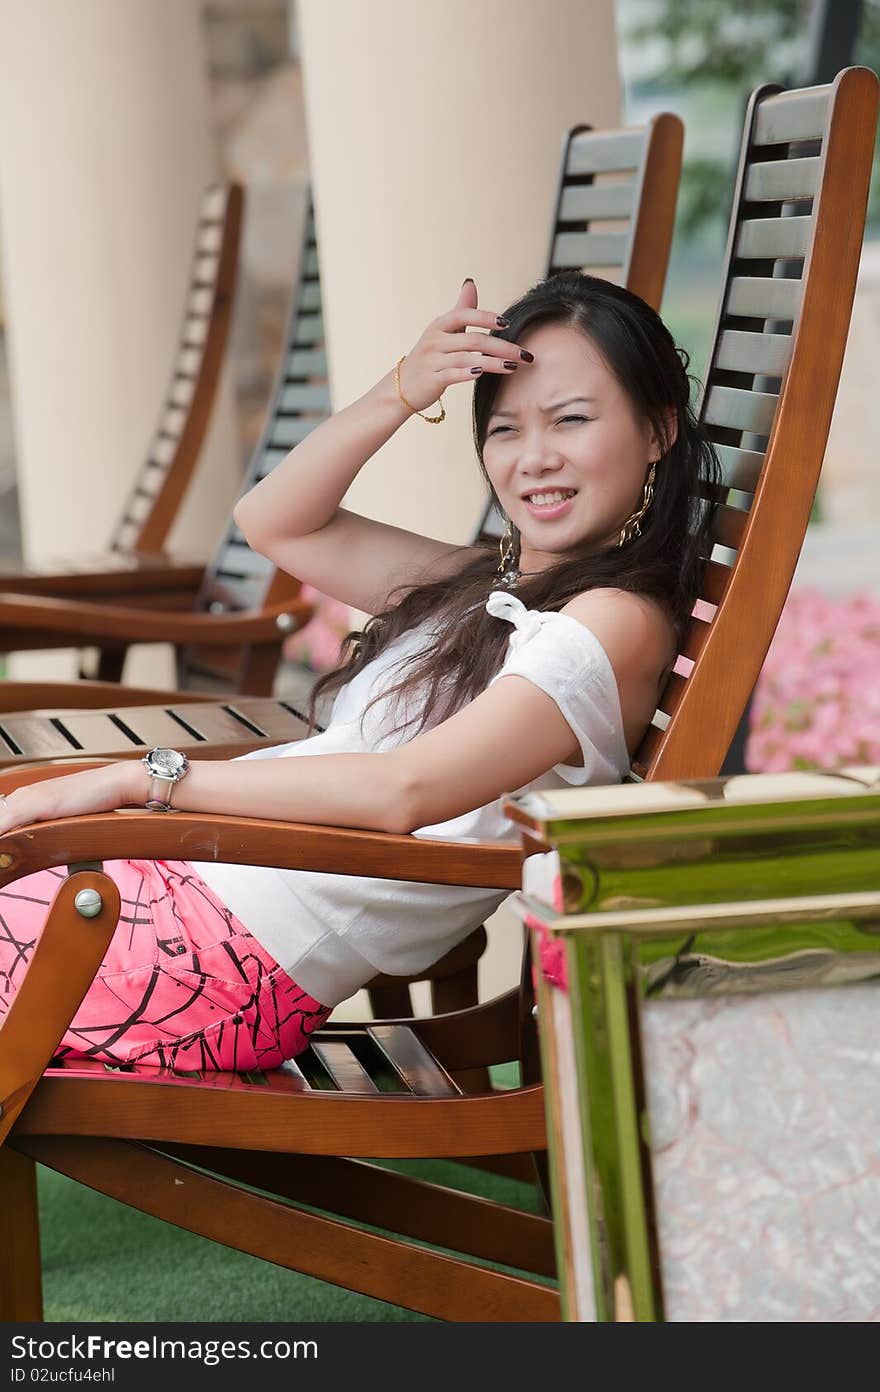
384	395
133	783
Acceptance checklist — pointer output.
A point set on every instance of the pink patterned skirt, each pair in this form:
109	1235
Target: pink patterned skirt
183	985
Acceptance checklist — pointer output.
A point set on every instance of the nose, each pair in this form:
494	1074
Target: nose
538	457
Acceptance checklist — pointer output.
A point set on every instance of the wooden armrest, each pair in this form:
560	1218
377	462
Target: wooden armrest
247	841
111	575
35	773
88	695
82	622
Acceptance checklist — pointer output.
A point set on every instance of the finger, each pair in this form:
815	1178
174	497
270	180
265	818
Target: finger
488	344
467	295
467	370
457	319
503	365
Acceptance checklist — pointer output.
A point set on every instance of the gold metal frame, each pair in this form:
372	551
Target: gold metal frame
724	887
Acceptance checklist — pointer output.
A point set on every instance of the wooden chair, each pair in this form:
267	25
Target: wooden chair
135	562
181	1148
240	607
613	216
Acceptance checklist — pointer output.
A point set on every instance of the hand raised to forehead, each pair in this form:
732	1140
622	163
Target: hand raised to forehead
452	350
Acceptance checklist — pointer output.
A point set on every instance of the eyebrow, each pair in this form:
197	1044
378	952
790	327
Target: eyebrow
557	406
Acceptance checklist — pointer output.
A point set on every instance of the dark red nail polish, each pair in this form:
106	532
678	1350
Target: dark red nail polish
468	280
526	355
502	322
476	371
511	364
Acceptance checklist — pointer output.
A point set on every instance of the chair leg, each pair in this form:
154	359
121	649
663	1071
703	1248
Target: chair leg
389	999
111	661
455	992
259	665
21	1295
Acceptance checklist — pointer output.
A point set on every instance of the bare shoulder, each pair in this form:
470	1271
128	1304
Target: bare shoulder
639	639
634	629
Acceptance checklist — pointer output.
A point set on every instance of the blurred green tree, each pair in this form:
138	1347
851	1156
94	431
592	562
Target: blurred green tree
710	44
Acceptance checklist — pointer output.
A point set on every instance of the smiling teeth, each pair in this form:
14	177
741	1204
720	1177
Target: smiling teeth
545	499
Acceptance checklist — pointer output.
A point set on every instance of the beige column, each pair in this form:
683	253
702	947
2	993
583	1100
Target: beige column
104	149
435	132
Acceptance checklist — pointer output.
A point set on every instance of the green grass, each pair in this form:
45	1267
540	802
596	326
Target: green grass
103	1261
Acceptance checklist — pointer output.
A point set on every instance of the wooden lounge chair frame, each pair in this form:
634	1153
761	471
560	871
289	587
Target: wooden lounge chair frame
132	1135
241	607
136	562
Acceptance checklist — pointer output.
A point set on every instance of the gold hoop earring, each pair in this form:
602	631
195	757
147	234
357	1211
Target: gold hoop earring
632	527
507	571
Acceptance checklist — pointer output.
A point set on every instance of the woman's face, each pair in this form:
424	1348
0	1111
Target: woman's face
563	425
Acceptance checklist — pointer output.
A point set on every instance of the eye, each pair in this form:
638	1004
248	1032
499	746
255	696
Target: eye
498	429
563	419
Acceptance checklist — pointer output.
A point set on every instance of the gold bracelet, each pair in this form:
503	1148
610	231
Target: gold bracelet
432	420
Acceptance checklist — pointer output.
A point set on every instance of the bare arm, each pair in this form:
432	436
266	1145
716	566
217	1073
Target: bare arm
509	735
294	516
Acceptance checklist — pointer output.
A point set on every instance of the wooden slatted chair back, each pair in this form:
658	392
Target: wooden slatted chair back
238	578
615	204
792	258
613	216
171	458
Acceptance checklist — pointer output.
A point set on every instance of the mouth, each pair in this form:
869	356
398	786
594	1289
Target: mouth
549	502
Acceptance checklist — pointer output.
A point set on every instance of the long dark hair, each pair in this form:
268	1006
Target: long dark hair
465	645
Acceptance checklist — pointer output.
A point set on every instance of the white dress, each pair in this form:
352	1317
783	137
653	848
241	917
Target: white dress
332	933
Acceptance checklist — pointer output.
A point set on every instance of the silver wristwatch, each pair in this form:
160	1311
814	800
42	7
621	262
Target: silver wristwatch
165	767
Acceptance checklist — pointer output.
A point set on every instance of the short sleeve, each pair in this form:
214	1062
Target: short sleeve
566	661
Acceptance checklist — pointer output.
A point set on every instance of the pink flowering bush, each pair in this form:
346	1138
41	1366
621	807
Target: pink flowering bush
317	645
817	703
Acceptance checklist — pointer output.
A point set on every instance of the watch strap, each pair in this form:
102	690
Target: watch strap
156	802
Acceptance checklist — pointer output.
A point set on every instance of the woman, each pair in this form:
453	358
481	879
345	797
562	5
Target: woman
473	679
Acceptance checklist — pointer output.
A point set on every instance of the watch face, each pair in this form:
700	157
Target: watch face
167	763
